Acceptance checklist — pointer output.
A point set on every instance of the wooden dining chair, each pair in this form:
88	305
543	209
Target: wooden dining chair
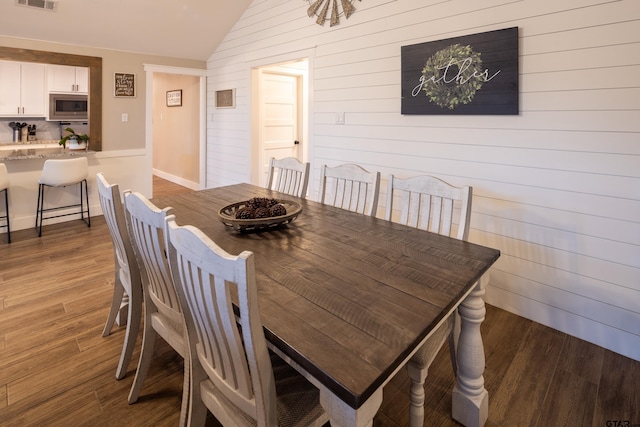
350	187
127	286
162	312
288	175
428	203
232	372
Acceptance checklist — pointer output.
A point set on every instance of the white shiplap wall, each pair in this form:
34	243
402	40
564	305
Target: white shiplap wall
556	188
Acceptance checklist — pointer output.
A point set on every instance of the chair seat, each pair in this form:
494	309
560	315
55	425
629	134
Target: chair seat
298	401
63	172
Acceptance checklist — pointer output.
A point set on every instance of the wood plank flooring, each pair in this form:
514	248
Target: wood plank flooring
56	369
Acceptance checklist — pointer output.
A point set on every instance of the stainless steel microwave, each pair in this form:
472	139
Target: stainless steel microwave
68	107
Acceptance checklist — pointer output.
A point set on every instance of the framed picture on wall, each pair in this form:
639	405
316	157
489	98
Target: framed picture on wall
124	85
473	74
174	98
226	98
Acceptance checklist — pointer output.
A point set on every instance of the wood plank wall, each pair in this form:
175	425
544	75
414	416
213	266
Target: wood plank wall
556	188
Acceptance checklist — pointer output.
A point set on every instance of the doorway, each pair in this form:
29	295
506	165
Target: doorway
281	99
174	122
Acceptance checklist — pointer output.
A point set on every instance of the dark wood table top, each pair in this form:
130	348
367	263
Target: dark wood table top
346	296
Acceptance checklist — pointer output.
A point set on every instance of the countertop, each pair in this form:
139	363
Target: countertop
40	149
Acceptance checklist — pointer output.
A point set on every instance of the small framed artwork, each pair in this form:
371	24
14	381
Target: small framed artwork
124	85
226	98
174	98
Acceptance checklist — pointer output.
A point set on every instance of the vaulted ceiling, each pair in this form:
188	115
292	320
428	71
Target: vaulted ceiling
190	29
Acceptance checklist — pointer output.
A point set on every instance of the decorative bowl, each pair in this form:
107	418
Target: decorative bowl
227	215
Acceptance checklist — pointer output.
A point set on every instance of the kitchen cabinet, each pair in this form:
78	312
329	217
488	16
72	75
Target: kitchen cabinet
22	89
67	79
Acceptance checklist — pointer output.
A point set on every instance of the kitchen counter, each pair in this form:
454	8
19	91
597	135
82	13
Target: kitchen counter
41	149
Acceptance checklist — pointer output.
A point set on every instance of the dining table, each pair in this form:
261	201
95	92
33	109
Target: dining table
348	299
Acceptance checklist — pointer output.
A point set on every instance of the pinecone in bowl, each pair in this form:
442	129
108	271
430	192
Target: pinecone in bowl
246	213
263	212
277	210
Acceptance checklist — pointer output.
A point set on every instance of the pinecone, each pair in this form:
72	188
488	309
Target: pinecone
245	213
272	202
262	212
257	202
278	210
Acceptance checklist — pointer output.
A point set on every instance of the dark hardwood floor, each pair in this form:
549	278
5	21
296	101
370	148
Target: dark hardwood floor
56	369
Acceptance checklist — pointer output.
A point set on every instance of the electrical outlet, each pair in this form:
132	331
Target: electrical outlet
339	118
125	117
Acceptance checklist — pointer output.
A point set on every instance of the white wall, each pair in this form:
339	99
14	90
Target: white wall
556	188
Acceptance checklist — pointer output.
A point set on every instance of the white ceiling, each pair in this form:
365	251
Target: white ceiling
189	29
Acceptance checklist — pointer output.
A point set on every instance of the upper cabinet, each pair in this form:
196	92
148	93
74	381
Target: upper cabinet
66	79
22	89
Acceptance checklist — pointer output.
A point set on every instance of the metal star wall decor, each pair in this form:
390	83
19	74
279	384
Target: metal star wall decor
320	8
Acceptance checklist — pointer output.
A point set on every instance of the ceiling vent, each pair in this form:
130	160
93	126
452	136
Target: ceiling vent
38	4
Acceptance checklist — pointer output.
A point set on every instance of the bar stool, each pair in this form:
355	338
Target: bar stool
4	186
62	173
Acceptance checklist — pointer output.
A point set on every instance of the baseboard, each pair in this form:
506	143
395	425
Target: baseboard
176	179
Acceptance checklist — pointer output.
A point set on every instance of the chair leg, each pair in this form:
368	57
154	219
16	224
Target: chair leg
197	414
6	205
186	392
118	293
131	334
146	355
86	195
39	209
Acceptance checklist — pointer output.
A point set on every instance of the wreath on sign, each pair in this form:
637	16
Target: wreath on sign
445	83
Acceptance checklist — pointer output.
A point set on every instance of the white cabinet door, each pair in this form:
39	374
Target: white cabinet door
82	79
22	89
10	88
33	89
66	79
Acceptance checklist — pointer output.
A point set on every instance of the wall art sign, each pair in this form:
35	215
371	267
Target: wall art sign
174	98
226	98
474	74
124	85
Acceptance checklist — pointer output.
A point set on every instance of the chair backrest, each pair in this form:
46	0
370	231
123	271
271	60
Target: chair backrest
350	187
231	350
428	203
288	175
122	249
4	177
60	172
145	223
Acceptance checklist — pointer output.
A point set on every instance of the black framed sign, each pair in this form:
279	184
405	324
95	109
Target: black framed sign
124	85
174	98
474	74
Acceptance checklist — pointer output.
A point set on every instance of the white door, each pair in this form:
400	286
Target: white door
279	118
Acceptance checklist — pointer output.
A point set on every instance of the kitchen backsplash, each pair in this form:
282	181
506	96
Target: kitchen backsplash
45	130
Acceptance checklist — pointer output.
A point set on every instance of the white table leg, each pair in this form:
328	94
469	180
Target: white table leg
342	415
470	398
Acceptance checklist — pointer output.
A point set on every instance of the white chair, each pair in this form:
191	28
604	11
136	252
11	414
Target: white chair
4	186
127	287
63	173
162	313
288	175
233	374
350	187
431	204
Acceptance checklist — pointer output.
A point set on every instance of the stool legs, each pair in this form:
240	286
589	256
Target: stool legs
6	217
84	198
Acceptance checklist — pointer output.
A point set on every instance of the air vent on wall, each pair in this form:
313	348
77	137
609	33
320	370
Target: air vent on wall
38	4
